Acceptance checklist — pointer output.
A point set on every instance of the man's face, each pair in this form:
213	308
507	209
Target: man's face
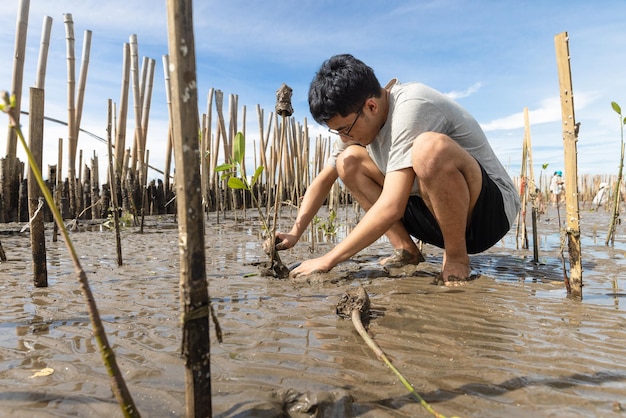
352	128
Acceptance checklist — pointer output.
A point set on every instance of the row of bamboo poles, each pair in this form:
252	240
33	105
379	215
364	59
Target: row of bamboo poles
79	195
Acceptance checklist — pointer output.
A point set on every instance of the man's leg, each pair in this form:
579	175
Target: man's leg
364	180
450	181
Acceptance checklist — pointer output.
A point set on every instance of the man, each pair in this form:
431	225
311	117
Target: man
418	164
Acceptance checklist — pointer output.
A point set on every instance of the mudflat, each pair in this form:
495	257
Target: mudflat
509	344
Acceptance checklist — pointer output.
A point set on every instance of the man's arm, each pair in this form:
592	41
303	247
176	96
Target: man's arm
388	209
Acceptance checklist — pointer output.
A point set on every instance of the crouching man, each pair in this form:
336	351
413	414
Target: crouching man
416	161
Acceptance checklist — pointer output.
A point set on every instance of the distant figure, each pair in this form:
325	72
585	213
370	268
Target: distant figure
602	197
556	187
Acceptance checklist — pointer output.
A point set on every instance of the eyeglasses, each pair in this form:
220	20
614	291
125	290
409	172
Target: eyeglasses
346	132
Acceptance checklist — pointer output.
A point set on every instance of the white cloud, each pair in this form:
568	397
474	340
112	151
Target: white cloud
455	94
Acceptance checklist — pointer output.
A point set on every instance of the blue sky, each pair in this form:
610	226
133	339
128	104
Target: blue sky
493	57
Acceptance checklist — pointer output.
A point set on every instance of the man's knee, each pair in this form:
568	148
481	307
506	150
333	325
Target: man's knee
350	161
432	153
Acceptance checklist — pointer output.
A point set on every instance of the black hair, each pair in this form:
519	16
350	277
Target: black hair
340	87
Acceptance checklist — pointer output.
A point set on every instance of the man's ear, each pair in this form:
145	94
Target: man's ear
371	104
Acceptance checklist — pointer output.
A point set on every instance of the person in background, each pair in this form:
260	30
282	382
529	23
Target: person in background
416	161
601	198
556	187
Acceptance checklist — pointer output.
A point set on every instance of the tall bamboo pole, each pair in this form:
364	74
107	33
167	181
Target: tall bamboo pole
571	170
43	52
532	186
82	81
120	132
137	102
113	185
193	281
168	97
9	177
21	32
71	110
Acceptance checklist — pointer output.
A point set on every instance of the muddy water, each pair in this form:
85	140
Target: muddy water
510	344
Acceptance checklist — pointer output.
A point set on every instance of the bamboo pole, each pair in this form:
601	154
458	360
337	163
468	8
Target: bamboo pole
113	185
71	110
532	187
137	102
35	197
168	152
10	178
21	32
571	169
610	237
145	117
59	188
193	280
521	225
43	52
82	81
120	137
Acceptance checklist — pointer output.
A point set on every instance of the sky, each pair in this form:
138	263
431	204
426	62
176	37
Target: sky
494	57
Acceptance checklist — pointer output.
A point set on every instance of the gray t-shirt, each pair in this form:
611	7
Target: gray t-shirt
415	108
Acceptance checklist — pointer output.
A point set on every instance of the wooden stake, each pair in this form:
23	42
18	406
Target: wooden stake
571	170
193	281
35	196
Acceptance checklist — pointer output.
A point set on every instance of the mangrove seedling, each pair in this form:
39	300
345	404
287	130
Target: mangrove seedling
229	171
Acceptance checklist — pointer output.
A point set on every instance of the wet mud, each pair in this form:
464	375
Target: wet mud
509	344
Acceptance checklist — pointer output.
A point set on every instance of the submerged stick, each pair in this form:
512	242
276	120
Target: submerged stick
355	305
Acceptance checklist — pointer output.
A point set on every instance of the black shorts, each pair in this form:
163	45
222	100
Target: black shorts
487	226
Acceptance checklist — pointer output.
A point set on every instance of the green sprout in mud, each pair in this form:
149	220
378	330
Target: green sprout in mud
229	171
329	229
125	220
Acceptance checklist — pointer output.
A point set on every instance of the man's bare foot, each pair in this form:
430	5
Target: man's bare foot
401	258
455	274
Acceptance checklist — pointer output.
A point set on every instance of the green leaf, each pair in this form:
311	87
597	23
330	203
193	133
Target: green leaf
224	167
239	148
256	175
616	107
236	183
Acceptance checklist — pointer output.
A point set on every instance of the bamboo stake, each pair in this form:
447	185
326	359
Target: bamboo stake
43	52
35	198
21	32
10	175
168	152
571	170
137	102
120	138
82	81
113	185
523	192
71	110
145	117
616	194
532	188
193	280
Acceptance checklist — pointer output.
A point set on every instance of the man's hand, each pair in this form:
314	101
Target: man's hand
315	265
281	242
